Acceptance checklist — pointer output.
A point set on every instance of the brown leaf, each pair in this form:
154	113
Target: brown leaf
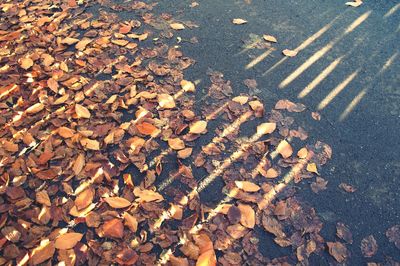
338	251
43	252
207	258
65	132
36	108
266	128
146	128
26	63
239	21
147	195
113	228
348	188
319	185
248	216
284	149
198	127
67	240
90	144
81	111
166	101
343	232
43	198
185	153
176	144
117	202
81	45
289	53
247	186
269	38
131	222
369	247
85	198
69	40
79	163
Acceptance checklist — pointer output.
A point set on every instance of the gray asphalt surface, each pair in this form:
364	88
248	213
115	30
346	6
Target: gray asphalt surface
347	69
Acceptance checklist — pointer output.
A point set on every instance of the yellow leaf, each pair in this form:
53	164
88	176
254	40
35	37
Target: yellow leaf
176	144
81	111
284	149
68	240
302	153
289	53
239	21
36	108
198	127
248	216
266	128
166	101
269	38
188	86
26	63
177	26
117	202
312	167
241	99
247	186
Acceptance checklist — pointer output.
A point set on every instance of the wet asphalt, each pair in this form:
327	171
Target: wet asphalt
347	69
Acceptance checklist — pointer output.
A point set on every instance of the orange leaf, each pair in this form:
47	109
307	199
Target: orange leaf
146	128
176	144
130	221
247	186
147	195
85	198
117	202
207	258
81	111
284	149
68	240
79	163
248	216
113	228
43	252
26	63
36	108
271	173
198	127
302	153
185	153
188	86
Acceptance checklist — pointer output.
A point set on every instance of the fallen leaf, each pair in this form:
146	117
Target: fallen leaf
355	3
146	128
239	21
84	198
79	163
65	132
319	185
36	108
188	86
338	251
269	38
176	144
113	228
369	247
248	216
42	197
316	116
117	202
43	252
67	240
166	101
81	111
266	128
26	63
271	173
284	149
302	153
247	186
131	222
69	40
90	144
185	153
343	232
177	26
312	168
198	127
348	188
289	53
207	258
147	195
81	45
241	99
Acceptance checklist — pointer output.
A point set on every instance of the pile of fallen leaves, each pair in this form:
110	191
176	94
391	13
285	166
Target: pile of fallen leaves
92	109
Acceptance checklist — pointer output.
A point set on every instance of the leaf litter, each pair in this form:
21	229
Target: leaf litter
67	193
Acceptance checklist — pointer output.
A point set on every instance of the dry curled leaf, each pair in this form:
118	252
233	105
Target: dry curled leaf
369	247
67	240
239	21
117	202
